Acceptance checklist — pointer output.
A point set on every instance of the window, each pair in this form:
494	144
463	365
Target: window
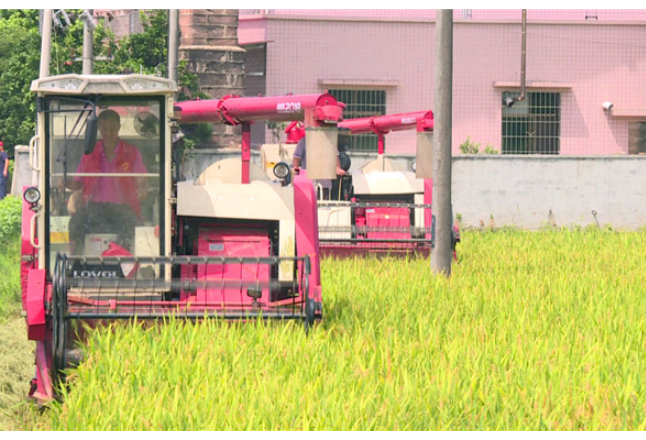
467	13
96	200
533	125
637	138
361	104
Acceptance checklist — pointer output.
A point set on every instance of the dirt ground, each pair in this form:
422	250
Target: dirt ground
16	369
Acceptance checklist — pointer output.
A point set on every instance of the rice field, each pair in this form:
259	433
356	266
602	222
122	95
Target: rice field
532	331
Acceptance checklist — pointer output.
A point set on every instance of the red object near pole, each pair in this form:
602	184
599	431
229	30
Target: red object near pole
294	131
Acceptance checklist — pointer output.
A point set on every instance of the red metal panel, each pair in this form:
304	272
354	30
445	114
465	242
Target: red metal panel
229	281
35	305
43	387
307	227
295	131
387	218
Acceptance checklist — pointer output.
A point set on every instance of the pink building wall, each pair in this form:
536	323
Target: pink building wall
589	61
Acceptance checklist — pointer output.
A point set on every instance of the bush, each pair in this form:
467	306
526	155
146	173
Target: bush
10	217
470	147
10	280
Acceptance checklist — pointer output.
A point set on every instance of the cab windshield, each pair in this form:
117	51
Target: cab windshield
105	199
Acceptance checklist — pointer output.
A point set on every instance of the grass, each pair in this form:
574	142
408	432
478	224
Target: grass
16	356
10	208
16	352
10	305
533	331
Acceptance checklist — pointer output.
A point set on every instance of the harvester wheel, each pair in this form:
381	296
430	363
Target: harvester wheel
59	324
310	307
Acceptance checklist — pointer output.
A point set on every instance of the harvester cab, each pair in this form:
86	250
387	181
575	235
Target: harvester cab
108	235
99	205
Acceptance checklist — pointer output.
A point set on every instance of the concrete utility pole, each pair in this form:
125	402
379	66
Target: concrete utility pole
46	42
88	48
441	254
173	44
509	102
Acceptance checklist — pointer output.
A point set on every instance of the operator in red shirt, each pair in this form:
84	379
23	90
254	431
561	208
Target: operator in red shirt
110	203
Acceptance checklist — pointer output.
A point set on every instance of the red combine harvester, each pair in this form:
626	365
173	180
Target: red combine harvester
384	207
231	244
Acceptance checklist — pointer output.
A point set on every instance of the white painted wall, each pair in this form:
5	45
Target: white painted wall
522	191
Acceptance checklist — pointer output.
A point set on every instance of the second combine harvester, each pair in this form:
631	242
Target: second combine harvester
385	206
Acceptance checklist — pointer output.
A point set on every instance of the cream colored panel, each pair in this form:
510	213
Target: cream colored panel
258	200
230	171
382	163
286	248
419	212
387	182
147	245
337	217
424	157
322	153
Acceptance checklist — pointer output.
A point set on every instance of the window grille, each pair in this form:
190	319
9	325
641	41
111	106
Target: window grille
637	138
361	104
533	125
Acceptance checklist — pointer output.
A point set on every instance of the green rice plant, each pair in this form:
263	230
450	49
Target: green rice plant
16	352
16	367
532	331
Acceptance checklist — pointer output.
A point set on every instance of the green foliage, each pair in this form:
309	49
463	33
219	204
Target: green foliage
19	65
16	351
20	47
10	220
489	149
10	217
10	280
189	88
470	147
146	52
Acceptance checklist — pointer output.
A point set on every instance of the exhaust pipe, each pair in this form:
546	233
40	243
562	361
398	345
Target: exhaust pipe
523	64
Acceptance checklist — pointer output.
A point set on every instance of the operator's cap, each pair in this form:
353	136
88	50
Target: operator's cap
1	144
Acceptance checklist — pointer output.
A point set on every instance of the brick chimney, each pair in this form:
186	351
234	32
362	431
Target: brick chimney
209	42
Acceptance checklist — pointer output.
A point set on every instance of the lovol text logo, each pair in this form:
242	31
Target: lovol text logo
409	120
288	107
95	274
